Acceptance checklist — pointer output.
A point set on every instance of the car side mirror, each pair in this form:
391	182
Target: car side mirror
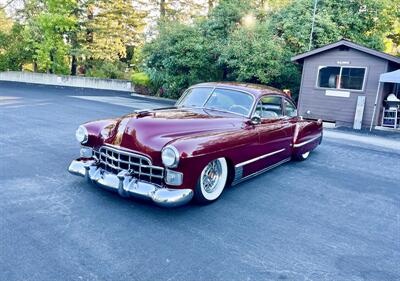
255	120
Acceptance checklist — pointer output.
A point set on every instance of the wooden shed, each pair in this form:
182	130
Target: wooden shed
340	84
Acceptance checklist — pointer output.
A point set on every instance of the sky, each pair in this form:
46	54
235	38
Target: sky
12	6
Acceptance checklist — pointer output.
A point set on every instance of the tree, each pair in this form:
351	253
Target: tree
256	55
113	26
184	11
335	19
392	39
46	26
210	5
15	50
180	55
223	20
5	22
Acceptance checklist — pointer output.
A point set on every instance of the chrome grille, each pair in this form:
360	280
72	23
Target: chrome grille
116	160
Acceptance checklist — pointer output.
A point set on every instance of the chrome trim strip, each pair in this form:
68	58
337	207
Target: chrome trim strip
259	158
306	142
262	171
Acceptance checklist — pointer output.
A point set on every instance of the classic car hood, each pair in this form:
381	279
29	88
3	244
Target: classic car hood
150	131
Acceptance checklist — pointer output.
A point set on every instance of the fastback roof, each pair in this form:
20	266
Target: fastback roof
255	89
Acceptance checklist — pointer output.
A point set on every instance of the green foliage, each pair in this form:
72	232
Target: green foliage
15	49
140	79
113	25
5	22
253	55
156	82
45	32
335	19
253	41
244	40
180	54
256	55
60	34
392	40
106	69
224	18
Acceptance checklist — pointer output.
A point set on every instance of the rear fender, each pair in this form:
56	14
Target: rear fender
307	136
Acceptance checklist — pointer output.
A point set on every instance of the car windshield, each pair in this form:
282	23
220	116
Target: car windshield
221	99
195	97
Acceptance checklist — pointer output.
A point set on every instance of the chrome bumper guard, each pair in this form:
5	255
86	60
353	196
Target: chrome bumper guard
127	185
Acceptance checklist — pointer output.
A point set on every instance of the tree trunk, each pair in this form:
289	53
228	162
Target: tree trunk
74	65
51	68
89	36
74	44
89	31
35	66
210	5
162	10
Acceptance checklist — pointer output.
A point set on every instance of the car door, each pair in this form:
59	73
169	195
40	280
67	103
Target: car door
275	130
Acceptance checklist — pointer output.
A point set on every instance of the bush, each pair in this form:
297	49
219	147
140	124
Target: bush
181	57
108	70
140	79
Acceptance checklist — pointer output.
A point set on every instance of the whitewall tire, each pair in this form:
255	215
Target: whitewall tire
212	181
303	156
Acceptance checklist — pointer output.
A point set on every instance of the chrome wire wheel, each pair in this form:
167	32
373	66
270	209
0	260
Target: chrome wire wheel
213	179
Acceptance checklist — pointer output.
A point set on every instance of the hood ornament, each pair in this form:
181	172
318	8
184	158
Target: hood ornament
142	112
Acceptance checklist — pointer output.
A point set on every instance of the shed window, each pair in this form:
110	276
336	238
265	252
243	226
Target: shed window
336	77
352	78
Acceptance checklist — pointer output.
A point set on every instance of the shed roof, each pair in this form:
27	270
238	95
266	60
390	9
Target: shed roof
345	42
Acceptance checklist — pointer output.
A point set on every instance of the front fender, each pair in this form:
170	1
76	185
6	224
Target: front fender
196	152
98	131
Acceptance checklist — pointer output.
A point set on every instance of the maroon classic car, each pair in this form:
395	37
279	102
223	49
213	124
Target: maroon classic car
217	134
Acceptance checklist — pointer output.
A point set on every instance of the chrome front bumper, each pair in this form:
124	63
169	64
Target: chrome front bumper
127	185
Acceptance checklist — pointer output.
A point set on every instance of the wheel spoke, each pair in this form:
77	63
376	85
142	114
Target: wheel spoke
211	176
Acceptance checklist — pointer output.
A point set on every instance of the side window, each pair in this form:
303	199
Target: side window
290	109
328	77
269	107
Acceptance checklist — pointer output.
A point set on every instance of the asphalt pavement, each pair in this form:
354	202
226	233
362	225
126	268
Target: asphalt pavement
334	217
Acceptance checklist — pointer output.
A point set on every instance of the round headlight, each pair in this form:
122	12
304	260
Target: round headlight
81	134
170	156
